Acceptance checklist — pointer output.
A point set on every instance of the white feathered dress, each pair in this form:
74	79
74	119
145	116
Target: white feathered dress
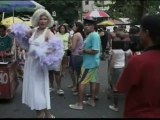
36	81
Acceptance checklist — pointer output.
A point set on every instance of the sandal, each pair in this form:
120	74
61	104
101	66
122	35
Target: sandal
42	115
70	86
74	89
51	116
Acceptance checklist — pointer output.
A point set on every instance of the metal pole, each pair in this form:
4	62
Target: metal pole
3	15
13	14
82	11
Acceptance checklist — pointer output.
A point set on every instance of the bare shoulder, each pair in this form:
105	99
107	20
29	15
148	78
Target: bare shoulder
49	34
78	34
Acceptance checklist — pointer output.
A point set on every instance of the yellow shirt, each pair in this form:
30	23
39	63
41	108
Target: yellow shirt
65	39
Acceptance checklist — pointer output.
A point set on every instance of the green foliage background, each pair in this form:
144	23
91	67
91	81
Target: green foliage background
68	11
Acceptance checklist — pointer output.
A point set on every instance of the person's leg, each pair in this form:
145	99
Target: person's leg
115	99
48	114
93	89
51	79
40	114
57	76
97	90
64	65
84	79
115	77
58	81
78	60
73	77
94	73
114	107
81	93
72	72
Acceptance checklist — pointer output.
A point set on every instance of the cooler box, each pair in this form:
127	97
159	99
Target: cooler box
8	80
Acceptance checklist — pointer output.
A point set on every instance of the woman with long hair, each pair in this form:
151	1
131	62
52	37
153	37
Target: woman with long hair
76	50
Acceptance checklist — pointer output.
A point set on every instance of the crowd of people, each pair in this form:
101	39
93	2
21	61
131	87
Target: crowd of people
133	64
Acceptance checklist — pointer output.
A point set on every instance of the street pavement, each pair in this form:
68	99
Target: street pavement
15	109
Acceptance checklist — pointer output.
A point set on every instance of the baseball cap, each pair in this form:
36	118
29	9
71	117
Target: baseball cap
89	21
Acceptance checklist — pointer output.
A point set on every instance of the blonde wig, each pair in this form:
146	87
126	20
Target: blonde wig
36	17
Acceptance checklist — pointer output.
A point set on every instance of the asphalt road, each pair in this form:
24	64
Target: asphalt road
15	109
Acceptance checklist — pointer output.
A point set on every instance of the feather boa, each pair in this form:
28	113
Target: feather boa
19	31
50	53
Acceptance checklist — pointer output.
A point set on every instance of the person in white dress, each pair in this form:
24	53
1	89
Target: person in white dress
36	80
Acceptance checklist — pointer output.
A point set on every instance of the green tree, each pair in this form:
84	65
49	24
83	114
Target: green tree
66	10
133	9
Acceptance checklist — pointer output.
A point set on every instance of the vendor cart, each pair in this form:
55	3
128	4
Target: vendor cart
8	79
8	74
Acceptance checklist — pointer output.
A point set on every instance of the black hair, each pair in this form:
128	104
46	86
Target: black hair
134	30
64	28
151	23
114	28
70	25
120	44
80	28
3	27
90	22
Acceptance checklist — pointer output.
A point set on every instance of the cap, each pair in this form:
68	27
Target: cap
89	20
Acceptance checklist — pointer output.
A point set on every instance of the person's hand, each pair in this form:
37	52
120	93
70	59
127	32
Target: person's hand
81	51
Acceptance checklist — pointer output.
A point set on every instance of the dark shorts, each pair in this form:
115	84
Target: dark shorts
76	63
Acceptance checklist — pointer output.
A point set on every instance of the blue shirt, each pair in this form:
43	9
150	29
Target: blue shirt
92	42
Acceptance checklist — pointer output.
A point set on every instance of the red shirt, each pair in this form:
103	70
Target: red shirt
140	82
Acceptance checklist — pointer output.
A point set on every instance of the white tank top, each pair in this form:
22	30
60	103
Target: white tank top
119	58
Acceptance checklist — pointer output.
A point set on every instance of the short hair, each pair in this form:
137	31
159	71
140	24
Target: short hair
134	30
36	17
3	27
152	24
115	28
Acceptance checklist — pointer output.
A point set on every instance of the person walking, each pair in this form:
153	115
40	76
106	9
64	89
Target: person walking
140	80
91	61
36	79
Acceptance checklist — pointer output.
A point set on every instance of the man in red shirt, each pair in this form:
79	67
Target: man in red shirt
140	80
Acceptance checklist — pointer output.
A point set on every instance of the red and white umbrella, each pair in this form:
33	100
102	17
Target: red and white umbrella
96	14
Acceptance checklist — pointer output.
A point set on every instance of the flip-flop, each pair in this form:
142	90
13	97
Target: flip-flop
70	86
52	116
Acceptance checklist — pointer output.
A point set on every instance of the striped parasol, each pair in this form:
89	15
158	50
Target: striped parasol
96	14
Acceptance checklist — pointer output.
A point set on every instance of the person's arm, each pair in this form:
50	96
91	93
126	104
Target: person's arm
48	35
74	41
69	41
92	52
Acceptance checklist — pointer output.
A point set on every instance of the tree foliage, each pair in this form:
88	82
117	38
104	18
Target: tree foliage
133	9
66	10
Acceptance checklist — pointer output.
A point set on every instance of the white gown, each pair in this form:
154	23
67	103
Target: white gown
36	80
